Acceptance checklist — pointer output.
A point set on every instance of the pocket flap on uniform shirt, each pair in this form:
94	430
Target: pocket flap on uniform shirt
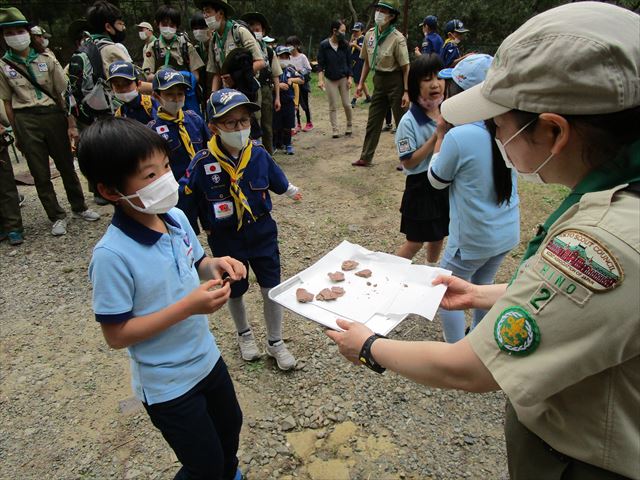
259	184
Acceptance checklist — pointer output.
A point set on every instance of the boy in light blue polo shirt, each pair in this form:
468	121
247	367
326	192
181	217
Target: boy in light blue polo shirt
146	272
483	199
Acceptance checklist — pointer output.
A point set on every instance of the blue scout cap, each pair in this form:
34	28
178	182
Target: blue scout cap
122	69
225	100
167	78
431	21
455	25
471	71
282	49
358	27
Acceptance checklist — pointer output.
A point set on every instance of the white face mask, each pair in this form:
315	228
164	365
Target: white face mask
45	42
533	177
126	97
201	35
172	108
18	42
212	22
237	140
284	63
380	18
258	35
456	41
142	35
158	197
168	32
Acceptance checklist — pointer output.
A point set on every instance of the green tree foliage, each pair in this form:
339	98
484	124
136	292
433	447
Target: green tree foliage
489	22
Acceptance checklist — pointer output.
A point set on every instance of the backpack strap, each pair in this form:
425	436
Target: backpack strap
184	51
633	187
156	53
235	33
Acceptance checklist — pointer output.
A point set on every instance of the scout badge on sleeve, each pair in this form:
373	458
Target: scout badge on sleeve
584	259
516	332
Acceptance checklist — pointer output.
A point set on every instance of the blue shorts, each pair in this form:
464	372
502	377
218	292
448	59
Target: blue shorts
255	245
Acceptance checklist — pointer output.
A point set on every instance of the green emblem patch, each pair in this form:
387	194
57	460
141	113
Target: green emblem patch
516	332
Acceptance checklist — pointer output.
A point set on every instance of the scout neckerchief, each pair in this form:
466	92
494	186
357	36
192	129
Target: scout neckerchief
235	172
380	37
184	135
603	178
220	40
167	49
33	55
144	101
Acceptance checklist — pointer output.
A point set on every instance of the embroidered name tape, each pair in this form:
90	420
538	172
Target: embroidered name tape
516	332
584	259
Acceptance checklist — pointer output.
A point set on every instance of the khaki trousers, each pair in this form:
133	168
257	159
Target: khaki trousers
338	90
10	217
42	133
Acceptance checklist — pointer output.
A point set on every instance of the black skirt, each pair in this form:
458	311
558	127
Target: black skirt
425	210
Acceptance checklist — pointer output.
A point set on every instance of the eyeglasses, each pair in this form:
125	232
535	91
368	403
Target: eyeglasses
231	125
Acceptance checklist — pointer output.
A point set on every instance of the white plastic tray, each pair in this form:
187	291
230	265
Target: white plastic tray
395	289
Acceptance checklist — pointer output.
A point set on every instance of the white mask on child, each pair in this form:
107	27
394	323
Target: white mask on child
18	43
168	32
212	22
158	197
126	97
142	35
237	139
258	35
380	18
172	108
45	42
201	35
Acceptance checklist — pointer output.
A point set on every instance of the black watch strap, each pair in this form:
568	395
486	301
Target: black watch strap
365	354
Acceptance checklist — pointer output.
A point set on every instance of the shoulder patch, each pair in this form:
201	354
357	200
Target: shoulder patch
516	332
404	146
584	259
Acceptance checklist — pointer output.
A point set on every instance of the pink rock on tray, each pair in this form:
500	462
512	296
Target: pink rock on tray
366	273
327	294
336	276
349	265
303	296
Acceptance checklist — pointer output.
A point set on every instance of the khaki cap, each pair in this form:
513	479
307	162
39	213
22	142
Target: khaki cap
145	25
577	59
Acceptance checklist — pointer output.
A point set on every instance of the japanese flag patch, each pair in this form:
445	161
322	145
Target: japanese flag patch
162	129
223	209
212	168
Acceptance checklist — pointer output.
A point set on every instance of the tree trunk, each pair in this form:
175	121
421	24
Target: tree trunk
354	14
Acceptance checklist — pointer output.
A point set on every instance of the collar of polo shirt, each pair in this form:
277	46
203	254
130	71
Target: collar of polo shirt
136	230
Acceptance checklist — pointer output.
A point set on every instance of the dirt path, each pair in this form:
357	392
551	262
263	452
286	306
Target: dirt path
62	414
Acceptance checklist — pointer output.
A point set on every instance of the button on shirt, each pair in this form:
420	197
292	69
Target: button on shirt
479	227
136	271
198	133
414	129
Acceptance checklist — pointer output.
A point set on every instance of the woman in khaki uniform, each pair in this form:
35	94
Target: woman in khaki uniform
562	340
37	118
385	53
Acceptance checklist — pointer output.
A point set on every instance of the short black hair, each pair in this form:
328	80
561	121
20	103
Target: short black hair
294	41
198	21
167	12
102	12
111	149
422	66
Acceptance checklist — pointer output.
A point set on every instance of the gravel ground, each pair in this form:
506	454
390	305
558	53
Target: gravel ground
65	403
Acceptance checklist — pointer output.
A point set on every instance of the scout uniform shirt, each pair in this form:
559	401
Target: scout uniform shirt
46	71
221	45
143	108
564	341
197	132
207	178
174	59
391	55
147	50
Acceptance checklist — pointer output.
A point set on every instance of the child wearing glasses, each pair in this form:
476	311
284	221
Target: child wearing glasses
232	179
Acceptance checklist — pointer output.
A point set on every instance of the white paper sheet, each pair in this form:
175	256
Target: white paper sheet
395	289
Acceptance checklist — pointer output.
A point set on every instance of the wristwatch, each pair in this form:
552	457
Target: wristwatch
365	354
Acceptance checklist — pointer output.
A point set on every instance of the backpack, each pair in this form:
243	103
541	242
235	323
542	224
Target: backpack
183	44
265	77
88	94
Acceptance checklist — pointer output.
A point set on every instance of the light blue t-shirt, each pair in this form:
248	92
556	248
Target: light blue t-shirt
414	130
136	271
478	226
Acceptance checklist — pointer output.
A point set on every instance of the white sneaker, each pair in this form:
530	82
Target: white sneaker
283	357
59	227
88	215
248	348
